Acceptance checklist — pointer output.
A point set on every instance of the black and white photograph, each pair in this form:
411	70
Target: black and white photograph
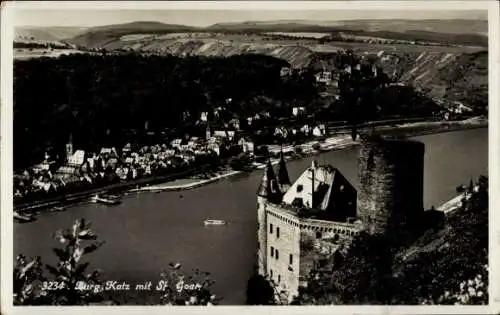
248	155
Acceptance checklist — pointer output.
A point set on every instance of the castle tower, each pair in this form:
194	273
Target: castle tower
391	174
283	178
267	192
69	147
208	133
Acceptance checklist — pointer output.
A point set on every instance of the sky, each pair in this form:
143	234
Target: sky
92	17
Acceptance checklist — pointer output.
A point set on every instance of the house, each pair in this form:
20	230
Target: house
176	143
285	72
217	111
247	146
319	130
214	146
235	123
122	172
77	158
459	108
127	148
227	134
281	132
129	160
324	77
297	111
112	163
111	152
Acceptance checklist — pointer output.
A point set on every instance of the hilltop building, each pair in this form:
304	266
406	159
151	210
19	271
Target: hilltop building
314	217
69	148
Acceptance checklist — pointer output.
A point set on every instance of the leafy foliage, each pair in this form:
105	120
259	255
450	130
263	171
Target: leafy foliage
103	99
187	290
447	268
69	282
28	279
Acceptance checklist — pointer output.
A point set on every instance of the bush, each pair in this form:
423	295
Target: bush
65	285
449	267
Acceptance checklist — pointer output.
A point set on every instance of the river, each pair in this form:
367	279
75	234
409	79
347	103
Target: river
149	230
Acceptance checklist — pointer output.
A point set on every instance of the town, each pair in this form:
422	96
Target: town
218	139
308	158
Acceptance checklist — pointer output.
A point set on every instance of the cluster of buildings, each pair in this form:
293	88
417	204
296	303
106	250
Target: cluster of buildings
316	216
82	168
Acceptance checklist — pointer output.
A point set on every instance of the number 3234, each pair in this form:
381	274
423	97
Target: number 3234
53	285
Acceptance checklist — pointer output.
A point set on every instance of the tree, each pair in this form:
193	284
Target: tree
70	282
28	279
179	289
440	267
259	291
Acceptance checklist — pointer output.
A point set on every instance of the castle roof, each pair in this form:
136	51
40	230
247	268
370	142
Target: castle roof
283	178
317	187
268	187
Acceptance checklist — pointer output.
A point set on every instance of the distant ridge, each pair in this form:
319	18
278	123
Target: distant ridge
459	31
47	33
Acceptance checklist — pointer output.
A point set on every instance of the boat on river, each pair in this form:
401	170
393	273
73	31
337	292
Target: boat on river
214	222
23	218
107	200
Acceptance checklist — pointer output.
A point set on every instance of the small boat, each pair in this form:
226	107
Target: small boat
58	209
23	218
214	222
107	200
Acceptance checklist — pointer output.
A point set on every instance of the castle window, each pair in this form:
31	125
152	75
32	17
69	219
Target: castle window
291	259
277	254
258	245
277	232
300	188
272	251
271	273
279	278
270	228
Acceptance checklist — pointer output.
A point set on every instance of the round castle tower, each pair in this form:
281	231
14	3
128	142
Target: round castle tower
268	192
391	175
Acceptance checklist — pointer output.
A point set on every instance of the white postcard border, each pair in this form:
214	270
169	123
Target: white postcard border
6	194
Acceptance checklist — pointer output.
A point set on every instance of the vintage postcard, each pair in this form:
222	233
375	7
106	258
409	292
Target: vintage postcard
271	156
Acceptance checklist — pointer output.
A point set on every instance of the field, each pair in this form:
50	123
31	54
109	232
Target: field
299	34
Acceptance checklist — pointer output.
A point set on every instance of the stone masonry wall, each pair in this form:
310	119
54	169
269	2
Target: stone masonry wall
391	176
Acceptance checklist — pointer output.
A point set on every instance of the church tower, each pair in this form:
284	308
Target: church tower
208	133
283	178
69	147
268	192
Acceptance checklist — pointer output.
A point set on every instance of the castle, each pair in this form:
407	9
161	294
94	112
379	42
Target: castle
312	218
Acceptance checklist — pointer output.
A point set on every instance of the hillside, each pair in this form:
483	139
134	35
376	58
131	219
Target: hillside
449	31
445	58
446	264
100	36
456	26
431	68
46	33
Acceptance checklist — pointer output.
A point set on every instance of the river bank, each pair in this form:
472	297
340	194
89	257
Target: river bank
149	230
186	181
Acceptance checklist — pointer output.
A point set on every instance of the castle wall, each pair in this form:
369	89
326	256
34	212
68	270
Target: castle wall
284	273
262	236
391	174
293	232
